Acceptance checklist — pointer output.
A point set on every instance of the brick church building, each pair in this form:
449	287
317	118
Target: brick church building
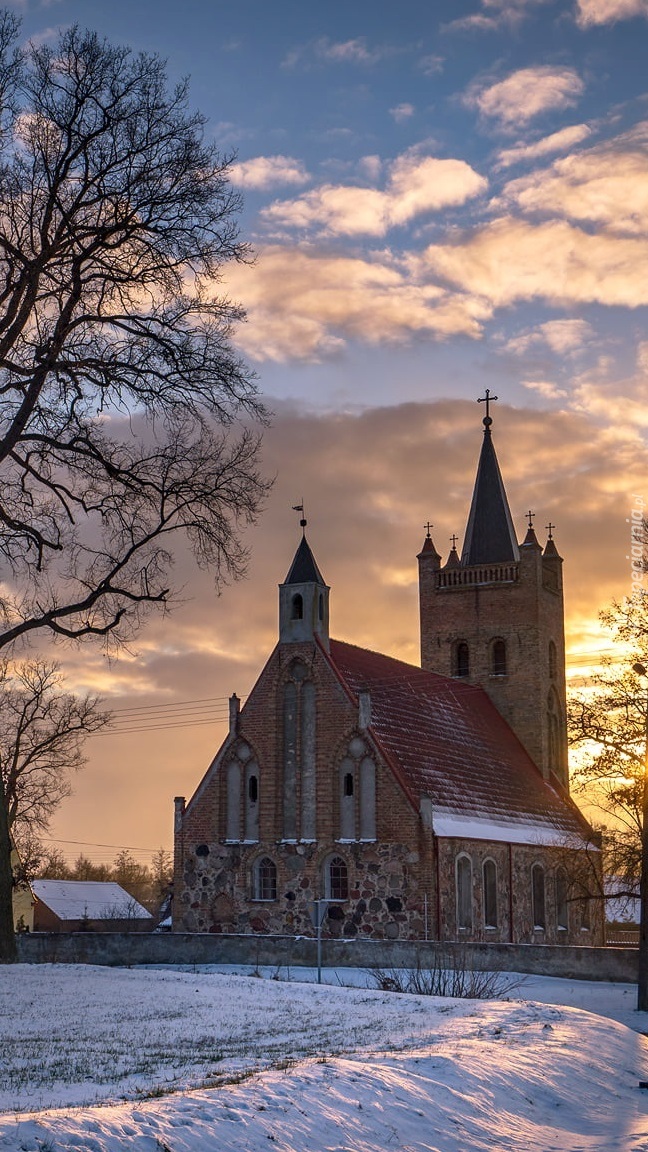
425	802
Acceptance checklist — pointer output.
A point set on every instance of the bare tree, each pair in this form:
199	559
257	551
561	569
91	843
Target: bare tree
608	722
125	416
42	730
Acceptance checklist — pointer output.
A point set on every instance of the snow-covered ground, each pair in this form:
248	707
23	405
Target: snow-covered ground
107	1060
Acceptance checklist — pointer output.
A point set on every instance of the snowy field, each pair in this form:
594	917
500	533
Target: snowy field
107	1060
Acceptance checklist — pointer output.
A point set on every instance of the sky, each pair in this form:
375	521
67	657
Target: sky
109	1058
441	198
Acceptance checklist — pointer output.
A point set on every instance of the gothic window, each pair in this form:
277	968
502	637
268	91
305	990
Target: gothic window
490	893
461	660
552	660
554	734
562	912
498	658
348	784
336	879
538	896
252	802
297	612
264	879
464	892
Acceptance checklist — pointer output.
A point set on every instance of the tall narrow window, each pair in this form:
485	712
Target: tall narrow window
462	660
554	734
490	893
552	660
562	910
367	799
347	800
264	879
297	607
584	906
252	802
498	658
336	879
538	896
464	893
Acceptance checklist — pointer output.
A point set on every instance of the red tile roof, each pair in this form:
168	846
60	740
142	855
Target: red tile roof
445	739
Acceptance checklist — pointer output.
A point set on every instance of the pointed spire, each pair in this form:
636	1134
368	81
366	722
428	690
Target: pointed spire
428	548
453	560
490	536
303	569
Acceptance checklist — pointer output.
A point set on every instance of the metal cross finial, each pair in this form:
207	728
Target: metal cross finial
531	516
487	400
454	540
303	522
549	528
427	529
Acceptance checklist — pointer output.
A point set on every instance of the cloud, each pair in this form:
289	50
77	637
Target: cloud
262	172
355	51
305	306
416	185
591	12
401	112
512	260
545	389
564	337
431	65
502	13
607	185
557	142
527	93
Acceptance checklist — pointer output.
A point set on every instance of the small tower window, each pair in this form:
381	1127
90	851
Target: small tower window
320	611
498	658
462	660
297	607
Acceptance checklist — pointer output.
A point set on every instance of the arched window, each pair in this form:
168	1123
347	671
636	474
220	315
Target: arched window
264	879
584	908
251	802
552	660
538	896
498	658
489	874
297	612
336	879
461	660
464	892
562	908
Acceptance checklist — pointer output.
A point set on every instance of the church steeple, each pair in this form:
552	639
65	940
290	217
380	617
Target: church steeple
303	598
490	536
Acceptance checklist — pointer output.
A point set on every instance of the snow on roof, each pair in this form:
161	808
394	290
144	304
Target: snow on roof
96	899
446	740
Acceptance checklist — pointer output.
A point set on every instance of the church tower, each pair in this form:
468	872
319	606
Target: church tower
495	617
304	599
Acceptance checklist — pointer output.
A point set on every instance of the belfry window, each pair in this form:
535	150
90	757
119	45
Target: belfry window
297	612
498	658
461	660
552	660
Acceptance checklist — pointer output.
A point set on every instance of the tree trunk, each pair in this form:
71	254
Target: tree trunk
8	950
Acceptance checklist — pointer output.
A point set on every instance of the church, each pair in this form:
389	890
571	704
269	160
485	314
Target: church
425	802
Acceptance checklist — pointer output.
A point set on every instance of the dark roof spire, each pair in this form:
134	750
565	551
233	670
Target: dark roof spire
490	536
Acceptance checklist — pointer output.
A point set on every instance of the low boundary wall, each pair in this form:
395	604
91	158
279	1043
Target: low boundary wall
127	949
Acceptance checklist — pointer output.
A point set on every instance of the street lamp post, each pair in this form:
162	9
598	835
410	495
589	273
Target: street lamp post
642	983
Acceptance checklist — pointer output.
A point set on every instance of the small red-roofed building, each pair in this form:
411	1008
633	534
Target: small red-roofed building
421	803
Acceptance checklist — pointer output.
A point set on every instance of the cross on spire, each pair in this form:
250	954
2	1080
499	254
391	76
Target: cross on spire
454	539
550	528
487	400
427	527
531	516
